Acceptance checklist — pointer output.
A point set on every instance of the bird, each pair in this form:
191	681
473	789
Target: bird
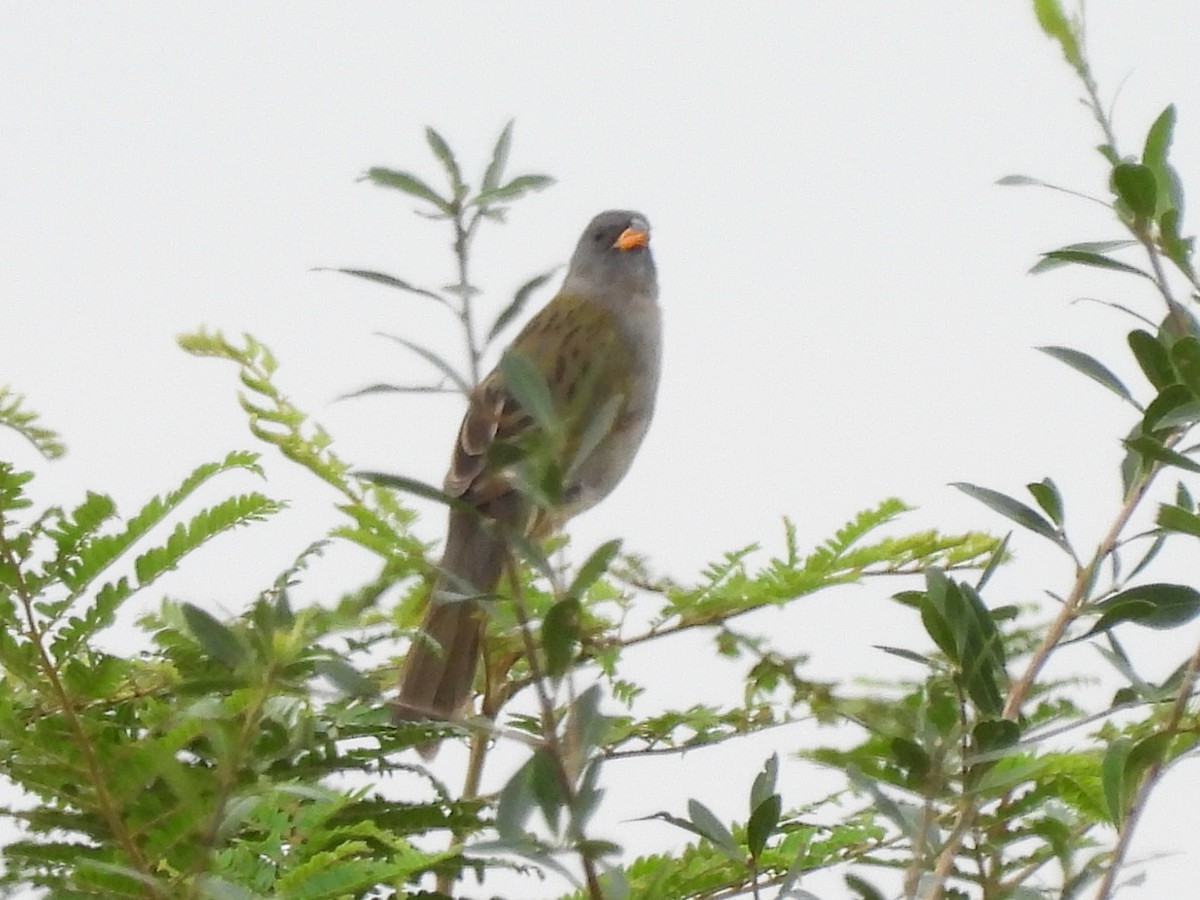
597	344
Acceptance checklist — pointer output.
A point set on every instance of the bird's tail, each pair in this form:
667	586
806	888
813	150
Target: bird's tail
440	667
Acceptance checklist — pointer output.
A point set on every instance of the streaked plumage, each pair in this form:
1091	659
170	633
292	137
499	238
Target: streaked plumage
598	346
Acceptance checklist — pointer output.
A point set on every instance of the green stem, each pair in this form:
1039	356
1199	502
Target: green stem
1149	781
107	806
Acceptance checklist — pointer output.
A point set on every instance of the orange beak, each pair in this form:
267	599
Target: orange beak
630	238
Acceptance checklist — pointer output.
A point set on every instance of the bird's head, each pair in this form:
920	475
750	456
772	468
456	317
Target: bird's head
613	256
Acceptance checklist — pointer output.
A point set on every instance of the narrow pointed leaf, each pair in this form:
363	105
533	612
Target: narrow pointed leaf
416	488
999	555
346	678
1011	509
1092	368
495	169
386	280
597	430
519	300
594	567
218	640
446	157
516	803
712	828
409	184
1177	248
909	655
1153	450
1154	155
529	389
519	186
863	888
1055	258
1112	778
764	782
434	360
1057	26
372	389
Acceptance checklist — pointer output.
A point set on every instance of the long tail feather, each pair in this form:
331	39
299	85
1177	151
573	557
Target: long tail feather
439	671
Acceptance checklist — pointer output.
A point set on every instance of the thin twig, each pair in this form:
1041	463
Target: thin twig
99	782
1138	805
551	742
1084	578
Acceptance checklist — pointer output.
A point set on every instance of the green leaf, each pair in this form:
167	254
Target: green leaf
518	187
1135	185
495	169
1151	449
560	634
593	568
1045	492
409	184
1158	606
528	387
519	300
207	523
1090	367
1112	778
998	555
544	783
387	281
446	157
993	736
220	642
1080	257
1149	751
911	757
1154	155
1178	249
764	782
1152	357
1012	509
712	828
909	655
433	359
598	428
515	803
1185	356
345	677
1179	519
587	727
762	824
863	888
24	422
416	488
1056	26
1171	402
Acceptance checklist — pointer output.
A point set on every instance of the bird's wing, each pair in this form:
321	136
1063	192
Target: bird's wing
574	344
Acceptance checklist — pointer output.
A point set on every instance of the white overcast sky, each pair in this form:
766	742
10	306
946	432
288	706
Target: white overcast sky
848	311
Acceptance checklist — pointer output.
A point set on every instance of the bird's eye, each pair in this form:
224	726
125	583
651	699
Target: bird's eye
598	237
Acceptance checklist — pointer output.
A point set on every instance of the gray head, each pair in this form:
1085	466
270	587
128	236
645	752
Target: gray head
613	256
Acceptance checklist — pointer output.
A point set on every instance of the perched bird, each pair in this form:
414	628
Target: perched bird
597	345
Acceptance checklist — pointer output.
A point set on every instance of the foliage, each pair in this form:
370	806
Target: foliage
255	755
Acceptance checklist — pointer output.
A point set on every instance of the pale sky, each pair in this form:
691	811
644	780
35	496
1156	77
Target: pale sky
847	307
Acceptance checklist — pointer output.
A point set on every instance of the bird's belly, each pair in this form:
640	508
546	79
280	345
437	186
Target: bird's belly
606	466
